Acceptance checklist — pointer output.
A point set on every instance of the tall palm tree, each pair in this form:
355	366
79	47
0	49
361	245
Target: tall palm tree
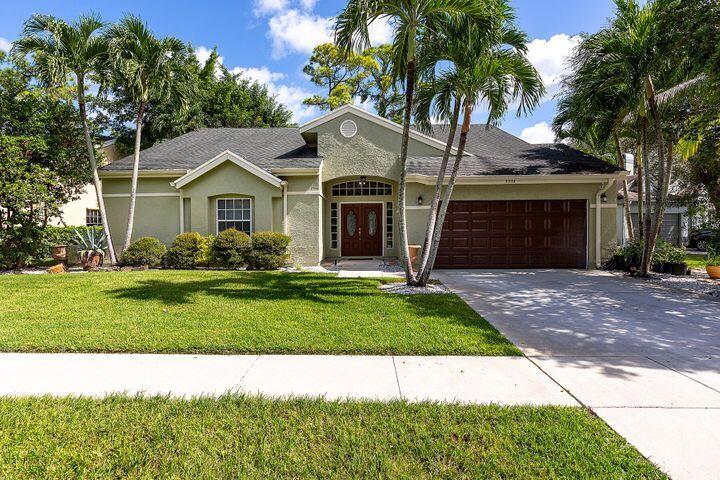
59	50
625	66
412	22
493	71
145	69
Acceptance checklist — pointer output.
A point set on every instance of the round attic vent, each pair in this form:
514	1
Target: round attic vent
348	129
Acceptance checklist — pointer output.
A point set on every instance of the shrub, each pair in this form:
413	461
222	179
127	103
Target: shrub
188	251
269	251
713	255
144	251
230	249
666	252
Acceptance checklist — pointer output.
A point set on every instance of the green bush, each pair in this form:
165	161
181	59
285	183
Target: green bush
665	252
21	245
144	251
188	251
713	255
230	249
269	251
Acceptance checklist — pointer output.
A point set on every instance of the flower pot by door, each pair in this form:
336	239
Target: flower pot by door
91	260
713	272
413	252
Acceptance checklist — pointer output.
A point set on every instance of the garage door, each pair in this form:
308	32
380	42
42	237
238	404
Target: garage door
514	234
671	227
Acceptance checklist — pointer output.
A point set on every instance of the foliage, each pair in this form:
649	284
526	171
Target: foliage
269	251
665	253
53	235
385	91
713	255
208	437
42	163
91	240
230	249
188	251
214	97
144	251
222	312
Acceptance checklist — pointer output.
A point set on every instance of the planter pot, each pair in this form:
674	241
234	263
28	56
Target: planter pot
413	252
713	272
59	253
91	260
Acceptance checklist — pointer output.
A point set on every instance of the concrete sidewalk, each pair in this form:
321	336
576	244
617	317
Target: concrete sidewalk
502	380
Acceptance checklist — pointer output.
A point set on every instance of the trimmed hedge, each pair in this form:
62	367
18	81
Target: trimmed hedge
230	249
269	251
188	251
144	251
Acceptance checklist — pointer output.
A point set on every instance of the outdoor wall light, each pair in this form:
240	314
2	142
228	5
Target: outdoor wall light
420	200
603	198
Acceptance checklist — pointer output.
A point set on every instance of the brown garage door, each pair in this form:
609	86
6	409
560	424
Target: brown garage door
514	234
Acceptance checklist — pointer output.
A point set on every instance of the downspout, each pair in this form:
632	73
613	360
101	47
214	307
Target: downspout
284	200
598	221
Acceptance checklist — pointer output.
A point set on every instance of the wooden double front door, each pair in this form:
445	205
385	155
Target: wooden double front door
361	227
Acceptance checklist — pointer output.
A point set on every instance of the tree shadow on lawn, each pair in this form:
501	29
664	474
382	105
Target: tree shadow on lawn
315	288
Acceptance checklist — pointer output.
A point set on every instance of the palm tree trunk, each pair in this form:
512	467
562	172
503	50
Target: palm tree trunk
432	216
665	162
402	186
133	182
626	201
641	191
646	253
93	167
434	245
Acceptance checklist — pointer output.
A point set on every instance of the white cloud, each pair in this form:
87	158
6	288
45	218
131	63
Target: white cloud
380	32
203	54
264	7
5	44
550	58
294	31
292	97
258	74
308	4
538	133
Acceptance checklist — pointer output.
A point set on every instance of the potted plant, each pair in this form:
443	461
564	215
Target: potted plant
91	247
713	261
675	260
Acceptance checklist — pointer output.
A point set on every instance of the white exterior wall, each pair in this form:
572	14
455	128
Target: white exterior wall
73	213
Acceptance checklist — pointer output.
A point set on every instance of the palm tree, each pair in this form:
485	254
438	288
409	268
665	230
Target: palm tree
145	69
60	49
412	21
487	67
620	69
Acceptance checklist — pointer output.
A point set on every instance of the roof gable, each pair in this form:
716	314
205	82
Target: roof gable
226	156
376	119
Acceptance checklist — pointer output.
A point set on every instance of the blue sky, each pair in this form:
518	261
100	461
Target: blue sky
270	40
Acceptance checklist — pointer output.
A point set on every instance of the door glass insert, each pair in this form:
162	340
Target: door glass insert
351	223
372	223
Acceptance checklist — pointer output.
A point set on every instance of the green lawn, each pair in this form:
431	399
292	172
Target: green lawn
241	437
233	312
695	260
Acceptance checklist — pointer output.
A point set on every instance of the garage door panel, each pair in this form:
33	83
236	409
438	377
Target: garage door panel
514	234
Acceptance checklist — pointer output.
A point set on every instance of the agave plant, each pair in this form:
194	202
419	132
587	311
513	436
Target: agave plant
91	241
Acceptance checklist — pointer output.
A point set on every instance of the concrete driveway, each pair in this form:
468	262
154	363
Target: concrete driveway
646	359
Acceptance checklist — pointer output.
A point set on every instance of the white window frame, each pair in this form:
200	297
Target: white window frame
217	216
87	214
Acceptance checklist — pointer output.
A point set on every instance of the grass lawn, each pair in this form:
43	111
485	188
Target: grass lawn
695	260
233	312
242	437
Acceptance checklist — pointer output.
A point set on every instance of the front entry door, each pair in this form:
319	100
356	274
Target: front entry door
361	230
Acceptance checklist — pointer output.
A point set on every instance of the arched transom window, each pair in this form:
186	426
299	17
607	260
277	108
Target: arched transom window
361	187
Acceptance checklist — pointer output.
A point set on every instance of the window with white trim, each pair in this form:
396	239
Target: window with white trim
234	213
92	217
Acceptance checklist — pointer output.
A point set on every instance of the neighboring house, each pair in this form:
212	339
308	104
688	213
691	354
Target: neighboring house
331	184
676	221
85	210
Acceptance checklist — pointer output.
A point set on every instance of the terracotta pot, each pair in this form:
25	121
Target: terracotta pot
713	272
413	252
91	260
59	253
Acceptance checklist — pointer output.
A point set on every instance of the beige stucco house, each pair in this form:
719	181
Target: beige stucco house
331	184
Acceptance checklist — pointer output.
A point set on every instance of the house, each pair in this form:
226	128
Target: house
84	211
332	185
676	220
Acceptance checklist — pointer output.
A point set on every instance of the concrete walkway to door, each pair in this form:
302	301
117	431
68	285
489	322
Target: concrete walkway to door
644	358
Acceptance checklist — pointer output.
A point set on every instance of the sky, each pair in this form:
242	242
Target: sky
271	40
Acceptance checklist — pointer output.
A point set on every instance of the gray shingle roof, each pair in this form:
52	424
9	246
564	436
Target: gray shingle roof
267	148
496	153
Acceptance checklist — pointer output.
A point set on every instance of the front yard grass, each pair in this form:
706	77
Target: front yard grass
234	312
244	437
695	260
